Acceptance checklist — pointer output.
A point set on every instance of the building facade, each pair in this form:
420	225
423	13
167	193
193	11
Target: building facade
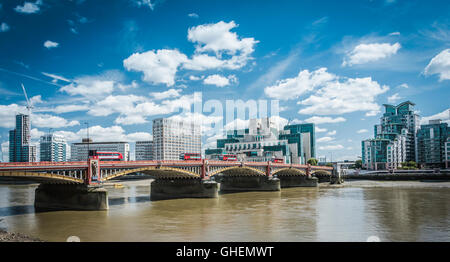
395	139
144	150
447	153
80	151
20	148
431	143
171	138
264	141
53	148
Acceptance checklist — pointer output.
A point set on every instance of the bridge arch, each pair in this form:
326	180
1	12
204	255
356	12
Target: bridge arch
246	169
157	172
41	177
321	172
288	171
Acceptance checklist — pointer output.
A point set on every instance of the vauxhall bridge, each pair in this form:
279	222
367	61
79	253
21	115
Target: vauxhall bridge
78	185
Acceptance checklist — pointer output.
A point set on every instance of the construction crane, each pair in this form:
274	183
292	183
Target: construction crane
29	105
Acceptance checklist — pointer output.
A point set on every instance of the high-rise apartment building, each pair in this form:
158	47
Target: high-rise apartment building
431	142
53	148
171	138
144	150
80	151
20	148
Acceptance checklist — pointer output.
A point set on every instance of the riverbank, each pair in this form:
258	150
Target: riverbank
388	183
16	237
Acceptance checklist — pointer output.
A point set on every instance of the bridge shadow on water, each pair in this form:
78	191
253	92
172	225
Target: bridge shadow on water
17	210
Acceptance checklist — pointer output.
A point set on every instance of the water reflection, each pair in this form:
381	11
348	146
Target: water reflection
294	214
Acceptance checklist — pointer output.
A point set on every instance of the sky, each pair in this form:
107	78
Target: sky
117	65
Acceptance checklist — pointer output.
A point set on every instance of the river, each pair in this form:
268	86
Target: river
391	211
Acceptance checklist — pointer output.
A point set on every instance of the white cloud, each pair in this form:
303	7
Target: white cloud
393	98
104	134
324	119
404	85
394	33
8	114
5	151
343	95
45	120
29	7
93	86
158	67
331	147
171	93
193	15
444	116
320	130
50	44
4	27
292	88
324	139
145	3
70	108
219	80
36	134
194	78
362	131
440	64
332	133
364	53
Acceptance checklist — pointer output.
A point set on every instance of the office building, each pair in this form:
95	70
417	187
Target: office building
80	151
171	138
264	141
53	148
144	150
20	148
447	153
431	143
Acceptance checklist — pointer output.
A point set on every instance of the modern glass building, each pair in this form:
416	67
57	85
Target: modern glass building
80	151
53	148
431	143
263	141
20	148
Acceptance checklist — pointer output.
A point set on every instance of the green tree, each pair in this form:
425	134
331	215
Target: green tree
358	163
312	161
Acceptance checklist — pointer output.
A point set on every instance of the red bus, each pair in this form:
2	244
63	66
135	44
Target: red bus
278	160
228	157
190	156
106	156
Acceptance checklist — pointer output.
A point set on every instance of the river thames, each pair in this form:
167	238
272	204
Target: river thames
390	211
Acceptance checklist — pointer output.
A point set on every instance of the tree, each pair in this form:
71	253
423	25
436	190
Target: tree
312	161
358	163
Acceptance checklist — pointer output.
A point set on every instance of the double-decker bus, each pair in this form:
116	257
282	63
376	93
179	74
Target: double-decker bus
106	156
190	156
278	160
228	157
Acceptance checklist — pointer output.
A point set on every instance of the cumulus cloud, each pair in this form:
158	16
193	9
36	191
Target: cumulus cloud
332	133
171	93
50	121
158	67
219	80
29	7
331	147
94	86
440	64
325	119
362	131
105	134
444	116
325	139
320	130
364	53
193	15
50	44
393	98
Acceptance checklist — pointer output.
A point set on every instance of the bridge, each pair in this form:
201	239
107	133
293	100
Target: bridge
173	179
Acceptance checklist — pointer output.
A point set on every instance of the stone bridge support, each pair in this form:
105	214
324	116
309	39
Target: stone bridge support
248	183
161	189
70	197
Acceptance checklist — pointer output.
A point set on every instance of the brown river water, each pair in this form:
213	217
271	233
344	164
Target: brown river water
391	211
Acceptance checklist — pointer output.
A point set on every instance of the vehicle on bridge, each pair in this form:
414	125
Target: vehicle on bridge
105	156
228	157
190	156
278	160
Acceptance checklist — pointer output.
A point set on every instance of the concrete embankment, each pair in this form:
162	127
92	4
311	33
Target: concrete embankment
399	176
248	183
298	181
161	189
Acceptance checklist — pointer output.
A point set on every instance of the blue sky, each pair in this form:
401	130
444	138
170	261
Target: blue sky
119	64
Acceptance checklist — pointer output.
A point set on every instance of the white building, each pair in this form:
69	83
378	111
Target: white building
80	151
173	137
53	148
144	150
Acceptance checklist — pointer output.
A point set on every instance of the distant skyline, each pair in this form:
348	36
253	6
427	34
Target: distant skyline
120	64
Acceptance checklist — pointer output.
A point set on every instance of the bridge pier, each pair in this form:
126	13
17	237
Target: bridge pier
161	189
248	183
298	181
70	197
